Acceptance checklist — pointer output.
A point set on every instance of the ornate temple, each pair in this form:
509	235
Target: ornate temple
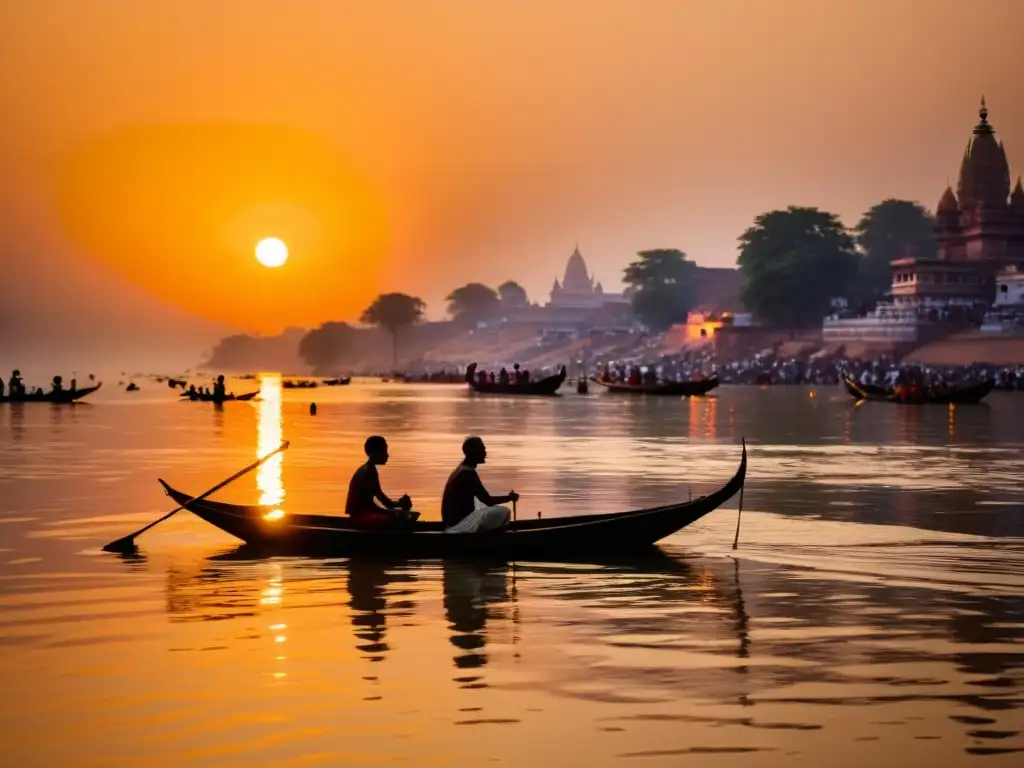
578	289
980	234
980	229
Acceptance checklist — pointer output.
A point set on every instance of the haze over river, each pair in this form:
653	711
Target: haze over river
872	615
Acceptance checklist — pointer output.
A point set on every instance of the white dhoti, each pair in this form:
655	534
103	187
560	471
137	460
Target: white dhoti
483	518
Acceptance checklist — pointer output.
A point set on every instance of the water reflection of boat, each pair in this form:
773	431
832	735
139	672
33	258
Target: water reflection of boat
471	590
550	538
367	584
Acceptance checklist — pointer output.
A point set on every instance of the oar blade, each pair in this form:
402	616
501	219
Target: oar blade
122	546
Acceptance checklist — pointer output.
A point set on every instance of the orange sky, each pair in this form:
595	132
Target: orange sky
417	146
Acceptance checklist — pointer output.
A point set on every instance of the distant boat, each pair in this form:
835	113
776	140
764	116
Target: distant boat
692	388
64	396
965	394
339	382
546	386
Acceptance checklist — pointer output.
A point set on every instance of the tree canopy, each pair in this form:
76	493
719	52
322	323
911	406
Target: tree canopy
393	312
325	347
663	287
512	294
473	302
793	262
890	230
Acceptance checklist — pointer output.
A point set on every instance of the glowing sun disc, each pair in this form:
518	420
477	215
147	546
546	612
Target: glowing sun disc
271	252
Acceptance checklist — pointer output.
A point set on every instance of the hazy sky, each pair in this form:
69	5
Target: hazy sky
417	146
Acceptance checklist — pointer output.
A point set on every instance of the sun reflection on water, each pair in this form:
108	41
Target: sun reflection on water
269	435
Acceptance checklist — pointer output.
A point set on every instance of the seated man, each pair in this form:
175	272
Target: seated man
459	509
364	491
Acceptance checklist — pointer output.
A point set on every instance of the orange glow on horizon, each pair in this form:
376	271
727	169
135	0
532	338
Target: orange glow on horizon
176	210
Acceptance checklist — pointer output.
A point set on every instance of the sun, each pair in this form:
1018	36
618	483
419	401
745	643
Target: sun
271	252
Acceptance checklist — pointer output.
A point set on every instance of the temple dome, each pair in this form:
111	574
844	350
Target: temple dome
1017	199
576	277
948	203
984	171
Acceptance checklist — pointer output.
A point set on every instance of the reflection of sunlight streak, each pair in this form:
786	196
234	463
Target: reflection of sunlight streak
269	431
272	597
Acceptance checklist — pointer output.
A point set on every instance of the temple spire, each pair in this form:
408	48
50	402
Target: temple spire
983	126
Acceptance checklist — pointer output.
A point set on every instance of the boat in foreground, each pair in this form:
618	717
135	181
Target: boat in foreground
65	396
693	388
535	538
545	386
969	394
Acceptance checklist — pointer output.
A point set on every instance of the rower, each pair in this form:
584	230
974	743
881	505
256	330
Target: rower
16	387
219	391
57	384
466	506
364	492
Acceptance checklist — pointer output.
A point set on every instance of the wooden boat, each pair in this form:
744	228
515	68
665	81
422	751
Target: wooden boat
546	386
968	394
693	388
550	538
64	397
198	398
452	378
341	381
298	384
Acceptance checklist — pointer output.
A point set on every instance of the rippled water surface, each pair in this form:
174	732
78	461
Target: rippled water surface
872	615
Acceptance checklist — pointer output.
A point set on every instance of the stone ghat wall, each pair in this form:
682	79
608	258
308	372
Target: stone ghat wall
972	347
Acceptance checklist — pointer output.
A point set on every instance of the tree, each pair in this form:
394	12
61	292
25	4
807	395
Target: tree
324	348
393	312
512	294
662	287
890	230
793	262
473	302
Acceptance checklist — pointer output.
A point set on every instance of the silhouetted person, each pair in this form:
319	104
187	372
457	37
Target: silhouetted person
16	386
219	390
503	376
57	384
466	506
515	373
364	491
312	409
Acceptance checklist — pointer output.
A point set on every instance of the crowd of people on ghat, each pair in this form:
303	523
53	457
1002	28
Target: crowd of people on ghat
768	368
466	505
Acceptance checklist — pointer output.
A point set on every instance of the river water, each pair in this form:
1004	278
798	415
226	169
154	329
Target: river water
872	615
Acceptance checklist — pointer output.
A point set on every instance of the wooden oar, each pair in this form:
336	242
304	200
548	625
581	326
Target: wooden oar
127	544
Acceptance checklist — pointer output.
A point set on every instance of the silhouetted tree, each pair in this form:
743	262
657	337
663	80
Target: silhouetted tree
325	347
891	230
662	287
512	294
473	302
793	262
393	312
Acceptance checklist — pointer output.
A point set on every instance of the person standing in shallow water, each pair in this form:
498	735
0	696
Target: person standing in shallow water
364	492
219	390
460	509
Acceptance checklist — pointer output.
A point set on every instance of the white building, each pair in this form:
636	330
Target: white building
579	290
1010	288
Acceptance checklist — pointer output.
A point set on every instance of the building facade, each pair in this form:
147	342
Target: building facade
980	234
